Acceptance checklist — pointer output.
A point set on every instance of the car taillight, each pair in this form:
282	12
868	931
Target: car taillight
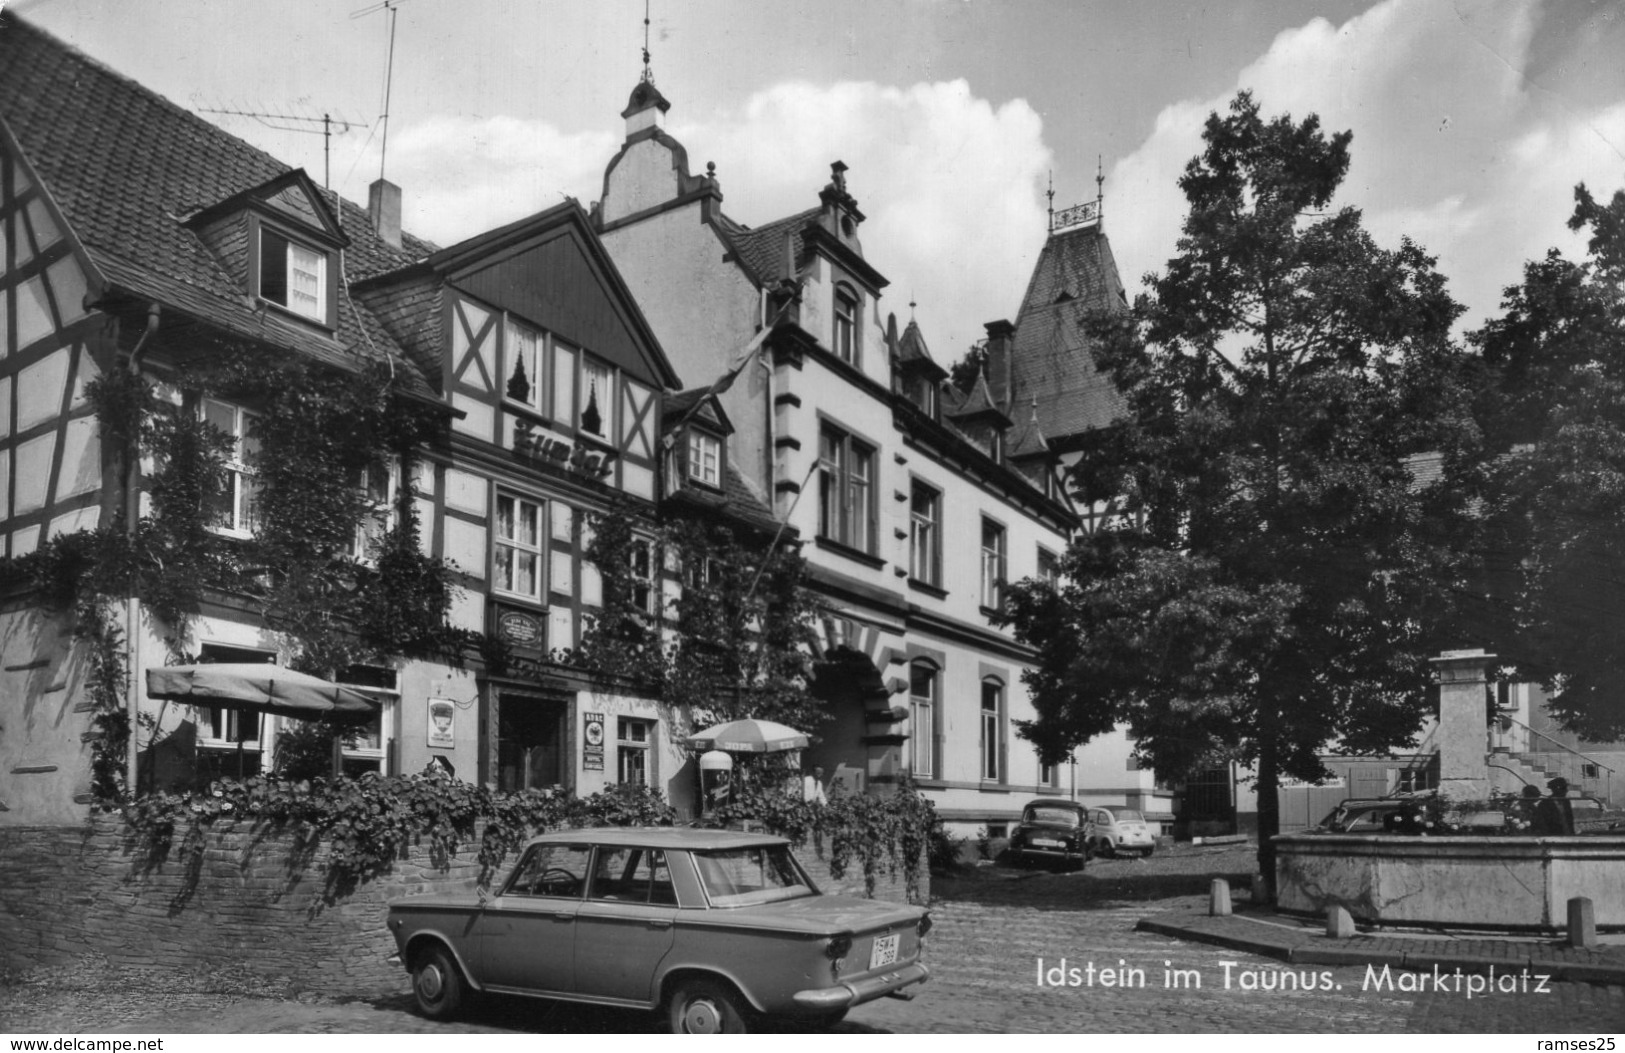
836	951
924	925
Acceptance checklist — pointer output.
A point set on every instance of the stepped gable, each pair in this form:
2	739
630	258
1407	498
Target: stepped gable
128	168
1051	360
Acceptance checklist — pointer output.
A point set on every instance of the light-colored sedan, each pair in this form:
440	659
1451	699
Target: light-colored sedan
716	927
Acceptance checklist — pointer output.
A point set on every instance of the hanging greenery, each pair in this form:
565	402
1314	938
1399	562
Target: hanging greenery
320	569
735	643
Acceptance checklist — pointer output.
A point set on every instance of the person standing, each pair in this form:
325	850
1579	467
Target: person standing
812	787
1554	815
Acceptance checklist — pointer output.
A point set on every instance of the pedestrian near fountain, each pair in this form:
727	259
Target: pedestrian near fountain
1554	815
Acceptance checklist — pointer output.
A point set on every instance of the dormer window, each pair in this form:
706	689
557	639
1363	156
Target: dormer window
704	458
846	325
293	276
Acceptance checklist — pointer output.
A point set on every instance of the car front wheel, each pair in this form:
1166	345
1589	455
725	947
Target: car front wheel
706	1007
437	985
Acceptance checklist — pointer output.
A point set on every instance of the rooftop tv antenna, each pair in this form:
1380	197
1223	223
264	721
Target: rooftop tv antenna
393	7
328	126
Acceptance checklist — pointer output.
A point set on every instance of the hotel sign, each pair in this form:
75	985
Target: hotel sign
531	441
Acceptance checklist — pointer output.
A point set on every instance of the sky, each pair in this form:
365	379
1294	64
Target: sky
1472	121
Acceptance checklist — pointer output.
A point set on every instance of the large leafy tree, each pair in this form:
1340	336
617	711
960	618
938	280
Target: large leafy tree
1275	596
1554	426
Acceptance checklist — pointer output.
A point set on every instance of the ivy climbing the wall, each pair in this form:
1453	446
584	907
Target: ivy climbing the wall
336	573
737	640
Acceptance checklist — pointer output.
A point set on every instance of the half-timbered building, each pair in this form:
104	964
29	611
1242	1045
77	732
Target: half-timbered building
136	236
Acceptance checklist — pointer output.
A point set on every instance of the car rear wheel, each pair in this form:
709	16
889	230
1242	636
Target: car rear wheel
437	985
706	1007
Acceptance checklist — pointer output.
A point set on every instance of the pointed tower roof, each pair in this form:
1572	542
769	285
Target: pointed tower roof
1026	440
1052	360
978	404
914	357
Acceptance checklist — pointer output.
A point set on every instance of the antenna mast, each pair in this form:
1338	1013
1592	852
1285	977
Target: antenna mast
393	7
326	132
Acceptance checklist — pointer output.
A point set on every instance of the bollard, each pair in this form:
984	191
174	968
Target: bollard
1219	898
1339	923
1582	923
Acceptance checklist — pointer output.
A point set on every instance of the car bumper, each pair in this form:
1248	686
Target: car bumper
866	990
1050	853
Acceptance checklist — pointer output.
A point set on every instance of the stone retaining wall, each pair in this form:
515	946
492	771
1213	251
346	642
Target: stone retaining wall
67	892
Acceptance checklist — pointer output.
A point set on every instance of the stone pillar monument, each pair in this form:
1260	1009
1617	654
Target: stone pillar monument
1463	732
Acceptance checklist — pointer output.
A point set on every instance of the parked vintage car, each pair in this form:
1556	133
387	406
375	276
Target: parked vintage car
1375	815
1116	828
717	927
1051	831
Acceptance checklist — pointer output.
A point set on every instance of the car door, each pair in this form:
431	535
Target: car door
528	932
625	925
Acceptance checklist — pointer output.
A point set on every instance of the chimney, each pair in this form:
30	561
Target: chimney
999	373
384	206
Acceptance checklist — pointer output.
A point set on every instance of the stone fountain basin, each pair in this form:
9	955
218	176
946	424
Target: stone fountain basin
1477	881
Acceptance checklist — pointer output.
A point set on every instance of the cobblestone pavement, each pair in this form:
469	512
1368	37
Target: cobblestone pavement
992	927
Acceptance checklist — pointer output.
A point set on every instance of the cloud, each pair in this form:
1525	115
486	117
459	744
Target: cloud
460	177
1453	144
951	184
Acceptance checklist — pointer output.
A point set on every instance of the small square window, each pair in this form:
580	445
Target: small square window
518	547
704	458
632	740
293	276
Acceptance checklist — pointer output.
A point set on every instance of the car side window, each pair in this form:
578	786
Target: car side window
635	875
551	870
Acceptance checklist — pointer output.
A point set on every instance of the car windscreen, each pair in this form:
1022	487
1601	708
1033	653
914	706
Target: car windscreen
737	877
1052	816
1126	815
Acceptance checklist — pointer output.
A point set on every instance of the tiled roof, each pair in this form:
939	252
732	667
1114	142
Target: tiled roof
736	501
675	408
1051	360
762	248
127	168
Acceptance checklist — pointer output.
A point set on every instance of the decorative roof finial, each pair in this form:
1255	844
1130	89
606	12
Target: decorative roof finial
1100	184
1050	193
648	74
911	306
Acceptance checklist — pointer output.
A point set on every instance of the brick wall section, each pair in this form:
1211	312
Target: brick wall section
67	892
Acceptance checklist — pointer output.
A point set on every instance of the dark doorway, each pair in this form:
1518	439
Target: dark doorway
530	743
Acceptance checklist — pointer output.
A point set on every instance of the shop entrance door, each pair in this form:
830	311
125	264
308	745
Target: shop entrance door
530	743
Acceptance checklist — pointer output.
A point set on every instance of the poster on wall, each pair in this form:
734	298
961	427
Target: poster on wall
442	713
592	743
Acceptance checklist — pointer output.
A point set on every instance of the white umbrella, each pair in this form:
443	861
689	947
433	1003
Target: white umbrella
750	736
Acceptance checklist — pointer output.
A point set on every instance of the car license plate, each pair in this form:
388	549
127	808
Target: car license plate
885	951
1044	842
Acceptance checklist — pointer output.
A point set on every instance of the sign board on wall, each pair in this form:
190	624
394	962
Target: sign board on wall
442	715
592	742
